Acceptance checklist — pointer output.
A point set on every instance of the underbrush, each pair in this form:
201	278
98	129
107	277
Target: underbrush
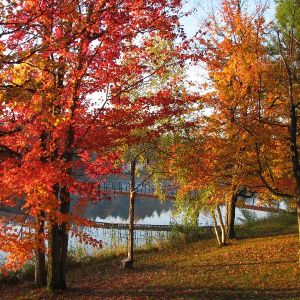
13	277
188	233
82	254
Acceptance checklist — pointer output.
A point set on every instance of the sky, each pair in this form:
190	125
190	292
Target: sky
203	8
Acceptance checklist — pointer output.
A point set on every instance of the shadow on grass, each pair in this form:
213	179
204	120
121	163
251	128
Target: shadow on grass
169	292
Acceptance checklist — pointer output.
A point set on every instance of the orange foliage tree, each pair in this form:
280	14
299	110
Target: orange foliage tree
236	148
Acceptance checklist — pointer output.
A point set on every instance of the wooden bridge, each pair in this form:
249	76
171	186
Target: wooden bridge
106	225
148	227
119	231
146	190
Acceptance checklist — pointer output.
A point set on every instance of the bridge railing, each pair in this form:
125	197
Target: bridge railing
144	188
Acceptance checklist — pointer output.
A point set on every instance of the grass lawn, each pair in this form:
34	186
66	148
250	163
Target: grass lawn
248	268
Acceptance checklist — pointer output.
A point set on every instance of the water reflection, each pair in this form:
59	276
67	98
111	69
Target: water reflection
148	211
115	209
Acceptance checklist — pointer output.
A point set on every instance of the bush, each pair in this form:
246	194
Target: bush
248	217
185	234
11	277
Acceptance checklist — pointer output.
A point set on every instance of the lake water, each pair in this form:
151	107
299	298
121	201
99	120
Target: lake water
149	210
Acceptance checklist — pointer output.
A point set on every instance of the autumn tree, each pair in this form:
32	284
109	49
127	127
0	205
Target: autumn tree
134	155
232	147
236	57
75	80
142	146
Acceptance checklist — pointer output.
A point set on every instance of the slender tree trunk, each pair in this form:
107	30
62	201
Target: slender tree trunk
293	126
295	160
40	261
195	219
223	233
294	146
216	227
230	216
128	263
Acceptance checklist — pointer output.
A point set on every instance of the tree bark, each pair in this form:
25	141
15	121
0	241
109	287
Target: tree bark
58	246
128	263
64	231
230	216
40	261
195	219
298	217
53	278
293	126
293	130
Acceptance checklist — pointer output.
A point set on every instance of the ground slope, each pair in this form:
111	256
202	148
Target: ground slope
257	268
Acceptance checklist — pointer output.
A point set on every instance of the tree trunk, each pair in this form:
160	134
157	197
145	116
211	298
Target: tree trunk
298	217
294	118
294	146
58	241
58	246
40	275
53	278
40	261
230	216
64	231
195	219
128	263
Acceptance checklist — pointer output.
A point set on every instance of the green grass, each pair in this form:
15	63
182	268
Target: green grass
274	224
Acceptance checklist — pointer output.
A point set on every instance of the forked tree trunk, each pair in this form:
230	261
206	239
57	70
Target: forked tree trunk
221	239
216	227
40	261
59	235
230	216
222	226
128	263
